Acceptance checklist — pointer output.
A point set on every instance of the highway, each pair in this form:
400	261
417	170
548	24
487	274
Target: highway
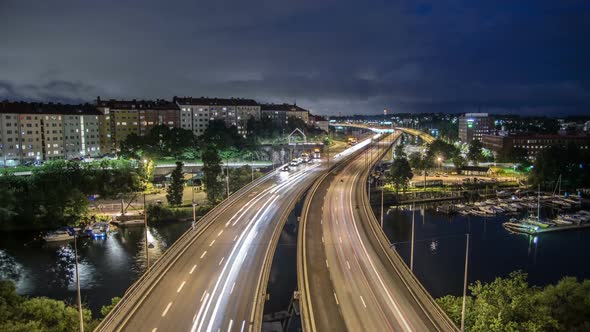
215	277
349	278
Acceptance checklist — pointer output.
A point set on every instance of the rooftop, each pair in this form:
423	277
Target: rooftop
215	101
282	107
158	104
7	107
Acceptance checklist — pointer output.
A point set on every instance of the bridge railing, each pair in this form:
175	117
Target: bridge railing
419	293
139	290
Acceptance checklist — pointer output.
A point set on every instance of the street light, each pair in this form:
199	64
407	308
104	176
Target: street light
439	163
81	316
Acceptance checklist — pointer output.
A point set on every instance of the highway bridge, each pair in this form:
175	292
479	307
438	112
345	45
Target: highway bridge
215	276
349	278
386	129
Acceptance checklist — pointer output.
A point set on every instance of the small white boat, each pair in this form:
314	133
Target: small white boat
100	229
59	235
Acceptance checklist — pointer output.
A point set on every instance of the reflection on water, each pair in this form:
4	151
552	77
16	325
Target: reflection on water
439	249
107	266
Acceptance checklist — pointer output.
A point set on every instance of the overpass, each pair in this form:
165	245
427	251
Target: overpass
386	129
349	278
215	275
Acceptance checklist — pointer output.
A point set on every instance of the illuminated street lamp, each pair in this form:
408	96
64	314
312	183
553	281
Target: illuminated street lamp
439	162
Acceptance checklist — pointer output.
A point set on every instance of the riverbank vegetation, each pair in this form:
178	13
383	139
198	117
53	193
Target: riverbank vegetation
58	192
23	314
511	304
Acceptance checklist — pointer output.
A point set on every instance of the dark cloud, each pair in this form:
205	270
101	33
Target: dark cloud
331	56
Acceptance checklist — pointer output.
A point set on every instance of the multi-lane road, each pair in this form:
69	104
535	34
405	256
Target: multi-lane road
351	280
216	277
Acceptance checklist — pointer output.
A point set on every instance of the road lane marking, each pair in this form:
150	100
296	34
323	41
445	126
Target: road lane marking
348	264
220	232
322	239
166	310
210	244
221	261
204	253
232	287
193	269
215	299
155	329
363	300
204	293
231	322
336	298
194	317
235	238
328	266
181	285
243	325
340	238
200	312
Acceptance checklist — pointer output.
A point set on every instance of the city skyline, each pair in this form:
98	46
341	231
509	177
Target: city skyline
332	58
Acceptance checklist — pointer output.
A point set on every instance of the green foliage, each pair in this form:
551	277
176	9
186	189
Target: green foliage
107	308
57	193
400	173
176	187
158	213
474	154
161	141
399	151
220	137
458	162
239	177
38	314
510	304
211	173
442	149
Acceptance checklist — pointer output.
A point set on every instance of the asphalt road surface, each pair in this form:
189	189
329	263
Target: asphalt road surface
353	285
214	283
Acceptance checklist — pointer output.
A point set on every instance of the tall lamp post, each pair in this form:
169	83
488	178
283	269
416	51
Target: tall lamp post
81	316
465	284
145	226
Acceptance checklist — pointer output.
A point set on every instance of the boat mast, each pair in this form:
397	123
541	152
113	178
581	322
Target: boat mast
539	203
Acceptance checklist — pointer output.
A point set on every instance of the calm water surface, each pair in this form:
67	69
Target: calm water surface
439	250
107	267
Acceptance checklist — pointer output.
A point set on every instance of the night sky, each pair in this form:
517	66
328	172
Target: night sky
515	56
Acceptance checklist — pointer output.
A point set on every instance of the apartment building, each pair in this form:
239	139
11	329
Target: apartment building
35	131
280	113
534	143
195	113
474	126
126	117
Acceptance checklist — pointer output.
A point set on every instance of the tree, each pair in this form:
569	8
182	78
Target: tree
147	170
20	313
211	174
510	304
459	162
401	173
176	188
474	153
107	308
239	177
399	151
